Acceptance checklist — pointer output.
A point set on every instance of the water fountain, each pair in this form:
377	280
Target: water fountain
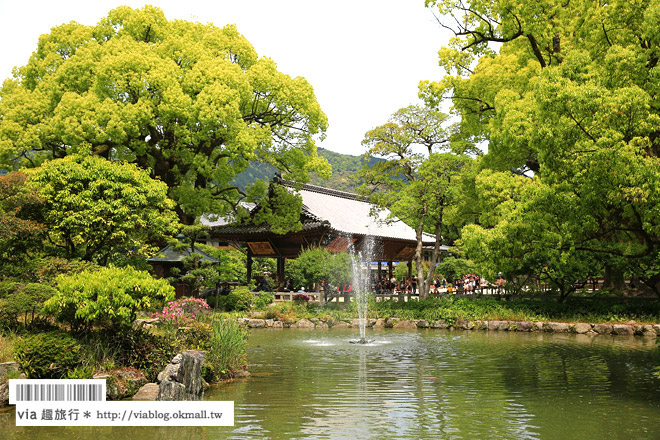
362	283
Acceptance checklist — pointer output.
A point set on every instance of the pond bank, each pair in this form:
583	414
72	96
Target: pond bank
629	329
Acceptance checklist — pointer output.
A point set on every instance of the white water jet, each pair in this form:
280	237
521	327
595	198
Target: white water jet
362	282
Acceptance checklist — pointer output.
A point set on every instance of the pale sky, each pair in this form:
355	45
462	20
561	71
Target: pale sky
364	58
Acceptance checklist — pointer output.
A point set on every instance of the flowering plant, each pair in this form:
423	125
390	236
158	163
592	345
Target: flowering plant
301	297
181	311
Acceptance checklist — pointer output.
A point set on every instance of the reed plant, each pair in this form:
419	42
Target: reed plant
227	355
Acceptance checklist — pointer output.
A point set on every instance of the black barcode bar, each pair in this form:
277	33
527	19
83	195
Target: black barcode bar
59	392
84	392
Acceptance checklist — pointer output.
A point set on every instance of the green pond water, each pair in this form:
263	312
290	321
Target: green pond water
425	384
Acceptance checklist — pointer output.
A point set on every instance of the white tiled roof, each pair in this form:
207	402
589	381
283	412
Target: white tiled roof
347	214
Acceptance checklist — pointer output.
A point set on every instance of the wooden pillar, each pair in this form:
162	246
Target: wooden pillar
380	269
280	273
249	266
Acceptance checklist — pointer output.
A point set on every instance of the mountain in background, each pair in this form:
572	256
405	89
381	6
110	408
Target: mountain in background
344	170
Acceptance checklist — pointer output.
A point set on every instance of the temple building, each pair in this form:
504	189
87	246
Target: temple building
331	219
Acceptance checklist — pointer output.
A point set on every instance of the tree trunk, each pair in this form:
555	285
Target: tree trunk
435	257
614	279
422	289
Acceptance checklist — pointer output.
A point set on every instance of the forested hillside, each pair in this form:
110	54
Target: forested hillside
344	169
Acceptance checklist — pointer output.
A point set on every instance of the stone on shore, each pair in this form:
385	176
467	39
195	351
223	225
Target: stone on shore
622	329
122	382
305	323
256	323
581	328
558	327
182	378
6	369
405	324
603	329
147	392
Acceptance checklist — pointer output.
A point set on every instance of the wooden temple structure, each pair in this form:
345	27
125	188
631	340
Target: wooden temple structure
331	219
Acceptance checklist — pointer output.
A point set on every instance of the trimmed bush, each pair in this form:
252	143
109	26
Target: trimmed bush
110	296
48	355
263	300
239	300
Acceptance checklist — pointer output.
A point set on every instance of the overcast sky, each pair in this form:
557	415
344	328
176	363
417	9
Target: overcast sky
364	58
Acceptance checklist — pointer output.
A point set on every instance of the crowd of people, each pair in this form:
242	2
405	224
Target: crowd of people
465	284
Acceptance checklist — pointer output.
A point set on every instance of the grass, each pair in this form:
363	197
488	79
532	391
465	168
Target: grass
7	347
450	309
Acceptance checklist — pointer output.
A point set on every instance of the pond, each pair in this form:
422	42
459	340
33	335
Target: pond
418	384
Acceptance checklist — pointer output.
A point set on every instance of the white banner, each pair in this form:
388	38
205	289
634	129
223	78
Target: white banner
125	413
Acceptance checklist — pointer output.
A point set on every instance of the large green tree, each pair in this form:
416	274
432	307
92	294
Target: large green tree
416	177
190	102
567	94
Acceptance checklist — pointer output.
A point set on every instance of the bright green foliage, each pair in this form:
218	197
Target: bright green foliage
190	102
317	266
47	355
239	299
453	268
99	210
416	185
110	296
264	299
232	266
571	97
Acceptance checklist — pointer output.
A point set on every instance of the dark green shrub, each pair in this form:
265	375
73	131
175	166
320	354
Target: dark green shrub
22	301
263	300
239	300
195	336
48	355
146	352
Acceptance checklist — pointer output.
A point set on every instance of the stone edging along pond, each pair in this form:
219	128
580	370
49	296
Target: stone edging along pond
518	326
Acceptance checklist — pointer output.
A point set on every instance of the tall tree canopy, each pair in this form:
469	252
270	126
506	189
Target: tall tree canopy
416	178
190	102
569	93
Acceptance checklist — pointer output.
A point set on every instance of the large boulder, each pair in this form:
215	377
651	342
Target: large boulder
182	378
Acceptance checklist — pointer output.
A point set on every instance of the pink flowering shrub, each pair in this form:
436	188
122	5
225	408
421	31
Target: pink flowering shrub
182	311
